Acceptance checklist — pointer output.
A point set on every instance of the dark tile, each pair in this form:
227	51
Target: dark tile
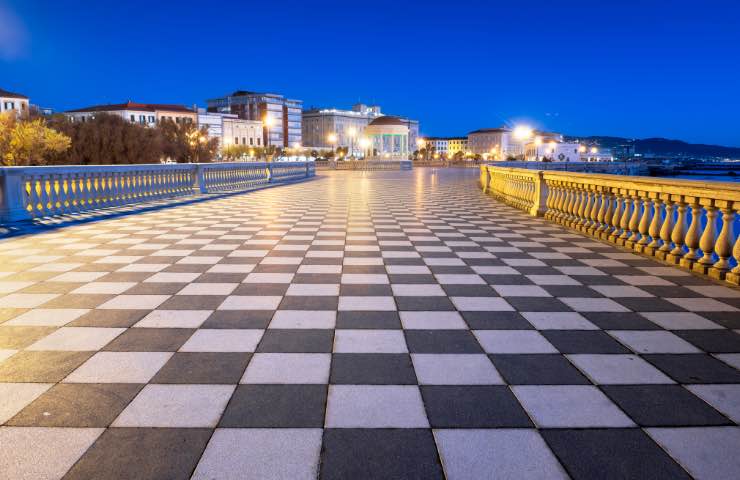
276	406
599	279
124	277
41	367
142	453
221	278
326	278
77	300
726	319
412	279
192	302
424	304
538	304
240	319
150	340
473	406
270	289
648	305
77	405
372	369
620	321
203	368
155	288
496	321
578	291
663	405
669	291
109	318
301	302
364	454
694	368
583	341
537	369
469	291
507	279
712	341
17	338
441	341
51	287
369	320
297	341
607	454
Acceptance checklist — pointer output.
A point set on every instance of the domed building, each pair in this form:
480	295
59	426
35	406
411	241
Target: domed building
388	137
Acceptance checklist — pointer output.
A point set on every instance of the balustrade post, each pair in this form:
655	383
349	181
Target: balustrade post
594	223
723	245
733	276
606	221
708	238
13	208
692	235
624	222
649	222
617	217
540	194
678	234
634	223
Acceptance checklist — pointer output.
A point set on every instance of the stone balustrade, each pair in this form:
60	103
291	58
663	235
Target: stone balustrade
682	222
370	165
35	192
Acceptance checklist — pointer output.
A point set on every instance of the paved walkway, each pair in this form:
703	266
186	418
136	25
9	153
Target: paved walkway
391	325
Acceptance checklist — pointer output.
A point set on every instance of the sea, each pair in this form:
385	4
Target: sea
710	176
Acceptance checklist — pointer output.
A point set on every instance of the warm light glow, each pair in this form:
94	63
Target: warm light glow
268	121
364	143
523	132
594	150
351	131
420	142
582	149
332	138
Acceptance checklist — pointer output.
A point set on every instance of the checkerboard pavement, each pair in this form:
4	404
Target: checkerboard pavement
362	325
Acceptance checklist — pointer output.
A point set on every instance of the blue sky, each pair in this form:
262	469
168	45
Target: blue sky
626	68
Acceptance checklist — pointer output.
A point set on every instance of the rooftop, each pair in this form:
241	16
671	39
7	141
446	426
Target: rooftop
7	94
144	107
492	130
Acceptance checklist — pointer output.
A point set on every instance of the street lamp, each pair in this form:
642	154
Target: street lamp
364	144
352	132
267	122
332	139
523	133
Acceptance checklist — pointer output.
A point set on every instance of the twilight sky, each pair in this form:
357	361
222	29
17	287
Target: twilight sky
632	68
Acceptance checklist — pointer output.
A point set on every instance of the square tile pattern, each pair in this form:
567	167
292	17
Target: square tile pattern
412	328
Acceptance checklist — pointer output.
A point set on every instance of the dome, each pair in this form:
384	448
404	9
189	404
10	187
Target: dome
387	120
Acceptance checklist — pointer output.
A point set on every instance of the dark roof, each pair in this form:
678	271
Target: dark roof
388	120
7	94
490	130
446	138
149	107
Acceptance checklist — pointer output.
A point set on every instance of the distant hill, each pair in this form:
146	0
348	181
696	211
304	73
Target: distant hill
663	146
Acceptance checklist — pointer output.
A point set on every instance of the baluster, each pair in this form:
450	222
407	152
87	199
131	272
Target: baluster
646	219
734	275
569	209
634	222
616	217
654	227
708	238
666	229
723	245
584	208
692	235
604	216
678	235
562	202
624	222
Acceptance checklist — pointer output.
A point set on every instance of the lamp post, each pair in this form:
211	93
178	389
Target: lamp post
420	143
364	144
332	139
267	122
352	132
523	133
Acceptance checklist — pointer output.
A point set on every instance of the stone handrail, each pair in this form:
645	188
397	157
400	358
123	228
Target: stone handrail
35	192
684	222
371	165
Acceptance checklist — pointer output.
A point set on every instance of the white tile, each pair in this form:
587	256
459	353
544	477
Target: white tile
513	341
51	317
369	341
119	367
705	452
313	289
553	280
653	341
459	279
593	304
174	319
135	302
173	277
618	369
620	291
304	319
700	305
267	454
21	457
283	368
455	369
364	279
26	300
680	320
10	287
269	278
250	302
77	339
481	304
417	290
208	289
375	406
432	321
520	291
111	288
14	397
715	291
328	269
231	268
570	406
558	321
176	406
502	453
366	303
223	340
725	398
78	277
730	358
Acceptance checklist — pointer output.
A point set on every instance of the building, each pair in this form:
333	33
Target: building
623	152
280	116
388	137
553	150
331	127
447	146
13	102
496	142
148	114
229	129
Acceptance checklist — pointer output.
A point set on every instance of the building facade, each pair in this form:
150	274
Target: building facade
331	127
13	102
280	116
553	150
147	114
229	129
388	137
495	142
447	146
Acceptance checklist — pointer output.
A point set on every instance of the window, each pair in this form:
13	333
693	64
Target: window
236	140
244	140
258	141
133	118
251	141
142	119
151	118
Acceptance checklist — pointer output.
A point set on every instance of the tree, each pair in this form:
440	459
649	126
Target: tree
107	140
28	142
185	143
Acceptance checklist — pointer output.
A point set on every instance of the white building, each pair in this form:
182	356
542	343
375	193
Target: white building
495	142
148	114
229	129
13	102
553	150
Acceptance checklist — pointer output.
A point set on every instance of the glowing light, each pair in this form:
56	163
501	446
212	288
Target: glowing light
268	121
332	138
538	141
594	150
523	132
364	143
420	142
351	131
582	149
